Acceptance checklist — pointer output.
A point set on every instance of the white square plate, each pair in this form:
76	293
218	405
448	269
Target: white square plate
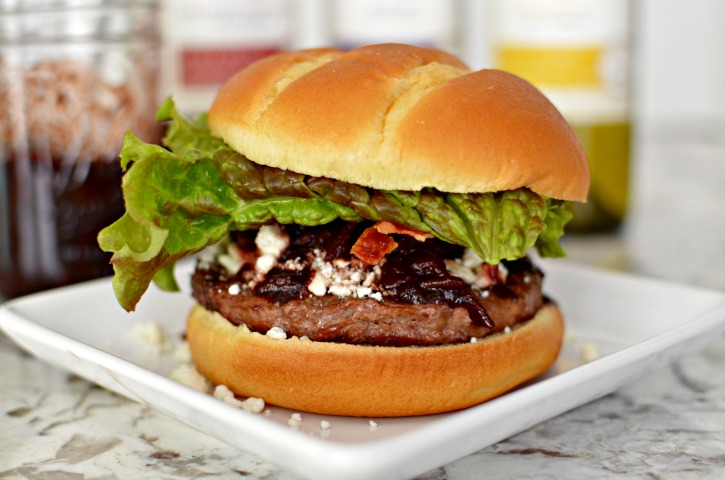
637	325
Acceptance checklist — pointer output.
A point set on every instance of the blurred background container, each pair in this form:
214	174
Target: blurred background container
74	76
206	42
432	23
578	53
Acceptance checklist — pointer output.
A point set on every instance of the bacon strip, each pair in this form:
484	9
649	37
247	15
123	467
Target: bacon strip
375	242
489	275
390	227
372	246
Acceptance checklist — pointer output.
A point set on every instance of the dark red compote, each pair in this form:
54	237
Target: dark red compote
421	293
50	214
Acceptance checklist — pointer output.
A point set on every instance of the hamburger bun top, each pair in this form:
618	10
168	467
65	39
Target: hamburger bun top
399	117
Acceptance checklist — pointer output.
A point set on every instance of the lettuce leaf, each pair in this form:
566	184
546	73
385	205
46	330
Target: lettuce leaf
191	194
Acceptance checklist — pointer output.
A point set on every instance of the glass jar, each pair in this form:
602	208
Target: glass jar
74	76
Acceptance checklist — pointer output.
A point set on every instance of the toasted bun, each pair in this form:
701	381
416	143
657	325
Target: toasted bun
400	117
353	380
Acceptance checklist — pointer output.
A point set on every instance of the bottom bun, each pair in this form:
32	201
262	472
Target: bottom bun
354	380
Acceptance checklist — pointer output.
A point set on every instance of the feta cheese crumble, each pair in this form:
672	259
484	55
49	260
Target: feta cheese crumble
317	285
182	353
222	392
251	404
265	263
187	375
151	335
472	270
276	332
226	253
342	278
271	241
569	335
588	352
295	421
230	258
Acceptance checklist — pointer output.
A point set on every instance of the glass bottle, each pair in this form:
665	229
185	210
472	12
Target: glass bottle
206	42
577	53
430	23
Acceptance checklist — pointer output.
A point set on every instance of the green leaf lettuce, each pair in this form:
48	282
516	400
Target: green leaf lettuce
190	195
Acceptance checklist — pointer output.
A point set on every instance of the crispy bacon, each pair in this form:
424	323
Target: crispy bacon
390	227
372	246
375	242
489	275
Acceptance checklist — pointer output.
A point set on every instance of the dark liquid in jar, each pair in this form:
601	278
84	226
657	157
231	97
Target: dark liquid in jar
50	215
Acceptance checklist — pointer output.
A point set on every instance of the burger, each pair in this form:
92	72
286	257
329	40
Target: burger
362	222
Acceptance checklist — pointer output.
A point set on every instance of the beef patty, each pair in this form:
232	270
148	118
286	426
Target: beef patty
410	298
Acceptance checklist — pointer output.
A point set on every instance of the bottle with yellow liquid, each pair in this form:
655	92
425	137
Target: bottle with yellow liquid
577	53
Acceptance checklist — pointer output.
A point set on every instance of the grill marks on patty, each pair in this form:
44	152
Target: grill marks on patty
422	302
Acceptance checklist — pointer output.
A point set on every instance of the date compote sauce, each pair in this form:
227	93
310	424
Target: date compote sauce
414	273
409	298
50	215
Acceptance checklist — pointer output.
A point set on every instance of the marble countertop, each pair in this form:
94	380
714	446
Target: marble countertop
669	424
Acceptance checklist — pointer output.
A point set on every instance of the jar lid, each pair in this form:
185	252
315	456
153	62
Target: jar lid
63	21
